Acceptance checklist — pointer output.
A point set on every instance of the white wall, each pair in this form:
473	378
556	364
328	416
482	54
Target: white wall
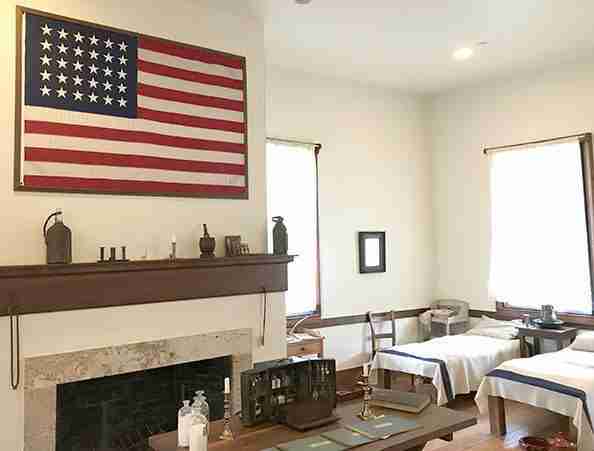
374	171
138	222
544	104
351	345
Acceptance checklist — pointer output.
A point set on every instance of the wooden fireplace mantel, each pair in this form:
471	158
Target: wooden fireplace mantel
54	288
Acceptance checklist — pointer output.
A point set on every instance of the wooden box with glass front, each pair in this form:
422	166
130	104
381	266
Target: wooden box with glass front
297	392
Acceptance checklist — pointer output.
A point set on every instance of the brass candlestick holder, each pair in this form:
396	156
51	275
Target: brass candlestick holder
227	433
366	412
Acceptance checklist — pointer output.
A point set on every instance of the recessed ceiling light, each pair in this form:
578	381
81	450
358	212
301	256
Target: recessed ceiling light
302	2
463	53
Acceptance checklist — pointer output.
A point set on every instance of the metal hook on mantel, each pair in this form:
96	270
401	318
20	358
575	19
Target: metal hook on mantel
262	339
14	318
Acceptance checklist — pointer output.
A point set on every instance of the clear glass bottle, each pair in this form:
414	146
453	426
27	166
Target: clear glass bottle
184	423
200	406
198	431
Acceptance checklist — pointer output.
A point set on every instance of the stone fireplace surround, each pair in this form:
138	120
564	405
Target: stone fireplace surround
42	374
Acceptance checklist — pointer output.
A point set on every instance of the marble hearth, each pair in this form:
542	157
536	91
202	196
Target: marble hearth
44	373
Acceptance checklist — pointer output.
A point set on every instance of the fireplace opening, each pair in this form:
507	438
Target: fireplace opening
119	413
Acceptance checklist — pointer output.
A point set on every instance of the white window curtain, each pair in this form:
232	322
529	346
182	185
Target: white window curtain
539	243
291	193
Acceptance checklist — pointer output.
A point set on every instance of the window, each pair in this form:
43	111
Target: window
292	192
540	223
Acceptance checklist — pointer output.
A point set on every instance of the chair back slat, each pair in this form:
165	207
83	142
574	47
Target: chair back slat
373	319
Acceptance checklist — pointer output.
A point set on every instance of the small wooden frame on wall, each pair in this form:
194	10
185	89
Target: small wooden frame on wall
372	252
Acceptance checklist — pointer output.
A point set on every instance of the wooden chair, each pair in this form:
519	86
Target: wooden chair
385	379
374	319
384	376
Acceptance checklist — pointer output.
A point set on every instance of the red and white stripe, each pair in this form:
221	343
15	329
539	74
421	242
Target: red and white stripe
189	136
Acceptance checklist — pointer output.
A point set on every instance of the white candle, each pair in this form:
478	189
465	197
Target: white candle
198	440
365	370
173	240
227	386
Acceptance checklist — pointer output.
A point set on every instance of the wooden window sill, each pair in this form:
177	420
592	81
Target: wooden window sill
508	312
311	317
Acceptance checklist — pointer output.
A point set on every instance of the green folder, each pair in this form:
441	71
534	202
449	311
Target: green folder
316	443
382	427
347	437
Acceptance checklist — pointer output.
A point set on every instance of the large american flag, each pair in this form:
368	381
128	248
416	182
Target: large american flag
112	112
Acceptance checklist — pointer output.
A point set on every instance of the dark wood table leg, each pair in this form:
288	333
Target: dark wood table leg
384	379
497	415
523	347
536	345
571	430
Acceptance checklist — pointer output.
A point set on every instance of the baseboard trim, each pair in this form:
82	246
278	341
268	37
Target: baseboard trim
479	313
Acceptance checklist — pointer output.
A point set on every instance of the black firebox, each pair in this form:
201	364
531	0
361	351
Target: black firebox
119	413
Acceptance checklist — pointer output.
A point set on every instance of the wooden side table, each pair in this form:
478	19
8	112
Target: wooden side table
307	346
562	337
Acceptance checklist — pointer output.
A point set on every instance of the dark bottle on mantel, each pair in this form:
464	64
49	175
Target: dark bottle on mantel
280	237
58	239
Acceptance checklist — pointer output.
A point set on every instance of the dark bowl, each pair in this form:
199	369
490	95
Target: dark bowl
534	444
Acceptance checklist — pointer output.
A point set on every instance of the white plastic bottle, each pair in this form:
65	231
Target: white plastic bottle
184	423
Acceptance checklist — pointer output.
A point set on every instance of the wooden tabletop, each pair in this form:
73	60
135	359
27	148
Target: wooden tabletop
435	422
532	331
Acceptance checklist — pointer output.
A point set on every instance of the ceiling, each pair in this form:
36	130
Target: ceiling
408	44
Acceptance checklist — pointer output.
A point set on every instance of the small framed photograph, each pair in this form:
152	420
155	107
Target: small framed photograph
232	245
372	252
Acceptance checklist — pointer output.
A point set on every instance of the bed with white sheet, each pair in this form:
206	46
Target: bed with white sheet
455	364
561	382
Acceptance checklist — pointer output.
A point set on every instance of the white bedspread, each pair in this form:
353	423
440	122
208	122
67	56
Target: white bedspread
567	367
467	357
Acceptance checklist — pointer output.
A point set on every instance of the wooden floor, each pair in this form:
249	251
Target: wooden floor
522	420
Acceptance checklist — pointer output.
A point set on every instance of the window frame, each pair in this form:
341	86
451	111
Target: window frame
587	159
317	312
